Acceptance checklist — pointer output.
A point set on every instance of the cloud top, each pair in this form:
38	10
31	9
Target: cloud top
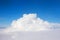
30	22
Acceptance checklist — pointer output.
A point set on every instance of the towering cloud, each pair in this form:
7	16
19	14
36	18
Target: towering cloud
30	22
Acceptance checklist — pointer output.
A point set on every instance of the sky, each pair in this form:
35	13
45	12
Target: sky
29	19
13	9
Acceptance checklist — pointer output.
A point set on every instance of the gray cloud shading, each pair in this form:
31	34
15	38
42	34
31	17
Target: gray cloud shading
42	35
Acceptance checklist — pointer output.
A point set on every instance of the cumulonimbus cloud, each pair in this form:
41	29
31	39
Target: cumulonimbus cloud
30	22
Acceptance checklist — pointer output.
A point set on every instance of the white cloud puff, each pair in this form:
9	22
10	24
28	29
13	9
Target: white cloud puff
30	22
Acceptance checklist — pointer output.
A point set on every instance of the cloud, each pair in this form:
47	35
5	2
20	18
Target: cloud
42	35
29	27
30	22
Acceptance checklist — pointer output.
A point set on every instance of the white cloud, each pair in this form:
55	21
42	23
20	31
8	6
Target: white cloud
42	35
30	22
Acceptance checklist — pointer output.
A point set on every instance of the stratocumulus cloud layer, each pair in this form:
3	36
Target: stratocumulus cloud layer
42	35
30	22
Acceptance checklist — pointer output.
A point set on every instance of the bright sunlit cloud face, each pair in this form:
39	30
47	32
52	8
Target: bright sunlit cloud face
30	22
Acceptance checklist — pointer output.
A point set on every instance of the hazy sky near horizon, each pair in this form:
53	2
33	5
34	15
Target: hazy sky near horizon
13	9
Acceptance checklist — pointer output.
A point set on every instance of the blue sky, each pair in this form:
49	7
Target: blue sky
13	9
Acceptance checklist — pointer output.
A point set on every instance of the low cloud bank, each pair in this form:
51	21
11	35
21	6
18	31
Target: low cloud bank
30	22
42	35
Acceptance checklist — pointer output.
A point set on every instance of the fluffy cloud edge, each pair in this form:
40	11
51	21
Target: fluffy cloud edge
30	22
